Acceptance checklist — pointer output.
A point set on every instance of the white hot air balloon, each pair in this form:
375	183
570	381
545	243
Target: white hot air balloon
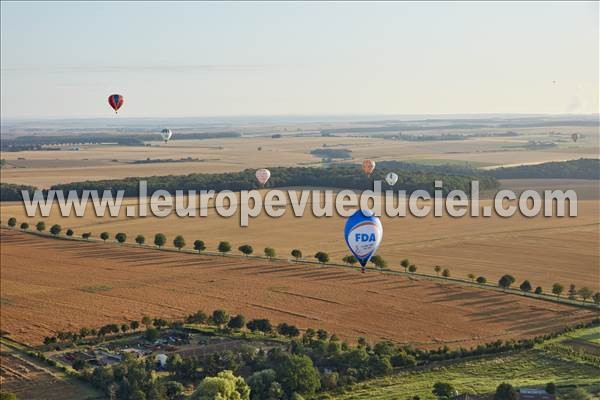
263	175
391	178
166	134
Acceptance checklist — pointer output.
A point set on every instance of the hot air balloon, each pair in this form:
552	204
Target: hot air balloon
363	233
391	178
575	136
263	175
368	167
115	101
166	134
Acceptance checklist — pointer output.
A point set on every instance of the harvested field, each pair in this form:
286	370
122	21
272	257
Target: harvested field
45	288
541	249
25	377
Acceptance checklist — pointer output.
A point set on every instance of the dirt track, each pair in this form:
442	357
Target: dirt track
50	285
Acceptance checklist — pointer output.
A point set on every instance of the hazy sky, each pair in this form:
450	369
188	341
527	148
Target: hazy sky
63	59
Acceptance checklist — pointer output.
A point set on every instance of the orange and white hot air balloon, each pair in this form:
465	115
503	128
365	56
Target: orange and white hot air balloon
263	175
368	167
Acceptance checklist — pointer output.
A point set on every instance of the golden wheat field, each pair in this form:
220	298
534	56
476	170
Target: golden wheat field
541	249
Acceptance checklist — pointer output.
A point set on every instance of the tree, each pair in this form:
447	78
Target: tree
379	262
246	249
585	293
24	226
174	390
199	245
297	374
538	290
437	269
551	388
104	236
270	252
121	237
140	239
179	242
506	281
481	280
525	286
260	325
160	240
12	222
505	391
124	328
446	273
151	334
237	322
224	247
134	325
260	383
224	386
288	330
199	317
443	390
220	317
557	289
322	257
55	229
350	260
471	277
147	321
572	292
297	254
596	298
8	396
579	394
40	226
70	232
405	264
86	235
412	268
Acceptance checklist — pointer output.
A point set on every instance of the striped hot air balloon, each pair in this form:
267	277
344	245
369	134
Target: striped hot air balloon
115	101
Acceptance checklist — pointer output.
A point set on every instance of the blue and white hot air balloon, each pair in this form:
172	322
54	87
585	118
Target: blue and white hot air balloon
363	233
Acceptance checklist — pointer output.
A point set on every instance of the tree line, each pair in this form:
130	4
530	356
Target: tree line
336	176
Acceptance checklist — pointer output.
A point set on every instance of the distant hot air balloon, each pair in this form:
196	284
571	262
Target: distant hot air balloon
363	233
368	167
391	178
263	175
166	134
575	136
115	101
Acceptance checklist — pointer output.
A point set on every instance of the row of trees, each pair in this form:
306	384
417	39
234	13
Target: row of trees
224	247
584	293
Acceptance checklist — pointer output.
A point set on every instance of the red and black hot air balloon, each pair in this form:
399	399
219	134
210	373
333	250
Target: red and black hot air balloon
115	101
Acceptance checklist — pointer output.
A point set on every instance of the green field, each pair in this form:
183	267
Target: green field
531	368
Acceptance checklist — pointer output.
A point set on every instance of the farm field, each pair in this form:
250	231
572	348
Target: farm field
50	285
104	161
29	379
542	250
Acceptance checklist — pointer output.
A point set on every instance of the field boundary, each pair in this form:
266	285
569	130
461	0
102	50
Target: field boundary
435	278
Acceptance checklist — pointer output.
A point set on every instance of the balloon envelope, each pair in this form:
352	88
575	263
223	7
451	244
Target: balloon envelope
263	175
368	166
391	178
115	101
166	134
363	233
